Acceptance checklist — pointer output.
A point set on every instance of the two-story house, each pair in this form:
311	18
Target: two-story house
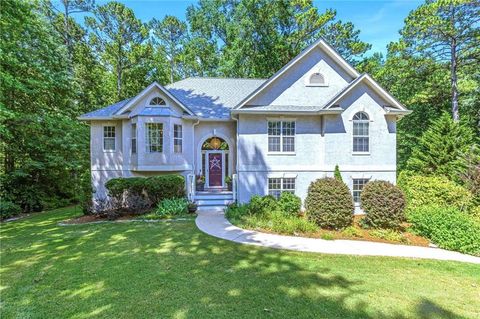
268	135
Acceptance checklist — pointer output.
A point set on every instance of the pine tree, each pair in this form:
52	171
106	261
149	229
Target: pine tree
441	147
337	174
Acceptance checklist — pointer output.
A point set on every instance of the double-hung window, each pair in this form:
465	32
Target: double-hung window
279	184
154	137
177	138
134	138
281	136
358	184
109	138
360	133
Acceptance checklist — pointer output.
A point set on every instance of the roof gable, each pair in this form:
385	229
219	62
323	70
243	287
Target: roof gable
322	45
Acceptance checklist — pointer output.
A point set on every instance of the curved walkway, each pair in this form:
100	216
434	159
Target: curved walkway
215	224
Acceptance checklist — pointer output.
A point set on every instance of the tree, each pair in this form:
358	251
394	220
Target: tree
441	148
170	34
337	174
447	31
119	38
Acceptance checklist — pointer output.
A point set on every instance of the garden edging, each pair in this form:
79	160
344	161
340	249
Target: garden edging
215	224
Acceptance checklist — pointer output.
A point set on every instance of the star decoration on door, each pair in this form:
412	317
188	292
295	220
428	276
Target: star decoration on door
215	163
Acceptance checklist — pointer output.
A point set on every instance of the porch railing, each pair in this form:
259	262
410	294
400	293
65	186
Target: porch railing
191	187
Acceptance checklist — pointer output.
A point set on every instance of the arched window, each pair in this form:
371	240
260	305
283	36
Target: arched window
157	101
360	133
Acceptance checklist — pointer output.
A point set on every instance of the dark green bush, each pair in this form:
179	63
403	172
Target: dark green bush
261	205
165	187
384	204
447	227
329	203
433	190
8	209
120	187
289	204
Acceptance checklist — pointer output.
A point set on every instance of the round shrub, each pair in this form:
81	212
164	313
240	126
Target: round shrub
289	203
165	187
433	190
329	203
384	204
8	209
262	205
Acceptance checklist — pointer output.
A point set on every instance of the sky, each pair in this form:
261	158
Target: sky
378	20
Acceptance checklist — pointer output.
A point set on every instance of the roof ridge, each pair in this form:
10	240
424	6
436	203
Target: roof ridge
222	78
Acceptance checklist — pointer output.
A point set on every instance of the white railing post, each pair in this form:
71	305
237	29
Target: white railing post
234	187
191	187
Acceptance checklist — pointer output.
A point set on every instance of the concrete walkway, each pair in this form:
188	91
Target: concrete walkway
215	224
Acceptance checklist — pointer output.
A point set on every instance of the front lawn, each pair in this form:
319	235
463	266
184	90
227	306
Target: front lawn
172	270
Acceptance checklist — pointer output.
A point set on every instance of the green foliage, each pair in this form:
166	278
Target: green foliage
447	227
329	203
289	203
236	212
165	187
351	231
172	207
441	147
120	187
336	174
429	190
388	234
384	205
261	205
8	209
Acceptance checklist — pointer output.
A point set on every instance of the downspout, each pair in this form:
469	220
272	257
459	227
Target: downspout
235	180
192	182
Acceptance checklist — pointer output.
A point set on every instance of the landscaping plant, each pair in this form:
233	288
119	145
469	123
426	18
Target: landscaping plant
172	207
289	203
329	203
8	209
384	205
261	205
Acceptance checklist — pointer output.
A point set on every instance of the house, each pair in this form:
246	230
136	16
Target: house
268	135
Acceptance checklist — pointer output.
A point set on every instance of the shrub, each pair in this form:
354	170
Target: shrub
289	204
278	222
447	227
329	203
261	205
172	207
8	209
433	190
165	187
389	234
235	212
384	204
336	174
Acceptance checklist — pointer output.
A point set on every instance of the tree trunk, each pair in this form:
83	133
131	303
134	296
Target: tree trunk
453	72
119	82
172	67
68	41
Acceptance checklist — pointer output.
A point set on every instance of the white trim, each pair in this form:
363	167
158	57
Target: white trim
114	138
206	136
281	136
145	91
207	168
162	168
319	43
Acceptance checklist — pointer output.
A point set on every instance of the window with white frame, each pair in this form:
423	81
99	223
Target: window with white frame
134	138
281	136
157	101
361	124
358	184
154	137
317	79
109	138
177	138
278	185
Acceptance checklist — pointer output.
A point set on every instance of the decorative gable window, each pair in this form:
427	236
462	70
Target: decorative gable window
154	137
361	124
281	136
134	138
109	138
177	138
316	79
157	101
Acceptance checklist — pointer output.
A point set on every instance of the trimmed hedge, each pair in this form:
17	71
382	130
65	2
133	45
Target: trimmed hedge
447	227
329	203
289	204
433	190
384	205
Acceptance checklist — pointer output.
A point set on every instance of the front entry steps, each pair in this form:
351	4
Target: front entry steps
218	200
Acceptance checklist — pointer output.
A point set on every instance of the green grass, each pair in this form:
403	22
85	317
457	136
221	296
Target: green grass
172	270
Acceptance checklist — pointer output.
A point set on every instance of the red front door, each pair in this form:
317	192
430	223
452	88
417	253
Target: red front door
215	169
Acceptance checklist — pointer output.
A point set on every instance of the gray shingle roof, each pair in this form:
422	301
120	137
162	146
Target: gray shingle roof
213	97
206	97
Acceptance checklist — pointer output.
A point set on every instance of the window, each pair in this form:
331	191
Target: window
177	138
357	188
317	79
278	185
360	133
157	101
154	137
109	138
281	136
134	138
